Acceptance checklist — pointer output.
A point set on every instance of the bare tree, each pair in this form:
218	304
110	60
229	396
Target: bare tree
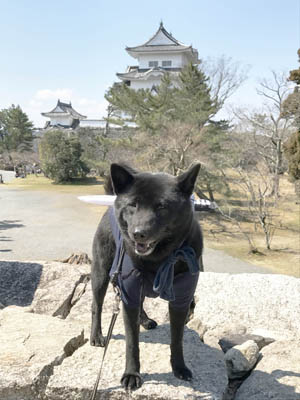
257	187
269	127
225	76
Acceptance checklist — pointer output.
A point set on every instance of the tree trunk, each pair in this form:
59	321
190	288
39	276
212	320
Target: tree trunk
278	168
297	190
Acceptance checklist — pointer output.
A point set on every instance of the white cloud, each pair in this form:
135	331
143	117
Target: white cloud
48	94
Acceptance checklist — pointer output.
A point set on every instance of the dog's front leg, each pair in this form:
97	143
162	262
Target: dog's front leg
100	282
177	322
131	378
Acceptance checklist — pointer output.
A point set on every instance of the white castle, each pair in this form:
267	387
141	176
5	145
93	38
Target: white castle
160	54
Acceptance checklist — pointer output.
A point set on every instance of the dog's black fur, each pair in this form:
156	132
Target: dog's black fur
155	216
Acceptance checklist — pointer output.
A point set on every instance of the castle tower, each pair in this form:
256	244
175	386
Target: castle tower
160	54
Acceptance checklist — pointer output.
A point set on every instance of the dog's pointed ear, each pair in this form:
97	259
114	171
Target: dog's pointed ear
121	177
186	181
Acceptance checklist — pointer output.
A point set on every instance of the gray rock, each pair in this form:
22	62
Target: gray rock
19	281
253	300
241	359
31	345
276	376
58	289
212	336
197	326
75	377
49	288
47	358
227	342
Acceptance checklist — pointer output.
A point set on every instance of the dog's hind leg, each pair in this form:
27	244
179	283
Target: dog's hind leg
145	321
177	322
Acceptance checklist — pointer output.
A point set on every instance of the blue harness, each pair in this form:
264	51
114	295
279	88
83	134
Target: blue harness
135	283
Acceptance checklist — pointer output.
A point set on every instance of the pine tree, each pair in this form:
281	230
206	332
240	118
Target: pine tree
175	122
291	108
189	103
16	132
295	74
194	103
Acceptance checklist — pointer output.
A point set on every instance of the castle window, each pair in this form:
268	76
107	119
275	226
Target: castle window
153	64
167	63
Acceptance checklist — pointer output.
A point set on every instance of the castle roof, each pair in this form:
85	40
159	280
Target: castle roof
63	109
137	74
162	41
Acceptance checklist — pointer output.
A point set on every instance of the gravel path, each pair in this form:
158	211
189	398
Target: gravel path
49	226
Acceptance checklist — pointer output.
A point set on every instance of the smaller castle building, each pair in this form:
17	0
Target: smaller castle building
63	116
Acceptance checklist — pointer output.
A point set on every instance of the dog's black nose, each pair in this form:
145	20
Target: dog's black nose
139	234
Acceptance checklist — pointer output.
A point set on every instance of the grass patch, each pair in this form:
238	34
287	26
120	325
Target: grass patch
284	256
86	186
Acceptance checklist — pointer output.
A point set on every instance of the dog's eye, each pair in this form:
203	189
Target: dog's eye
133	204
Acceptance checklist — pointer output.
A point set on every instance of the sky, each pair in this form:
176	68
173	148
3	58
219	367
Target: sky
72	50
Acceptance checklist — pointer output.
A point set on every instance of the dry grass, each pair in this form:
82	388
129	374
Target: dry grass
284	256
87	186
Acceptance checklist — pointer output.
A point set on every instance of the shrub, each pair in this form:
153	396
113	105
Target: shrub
61	157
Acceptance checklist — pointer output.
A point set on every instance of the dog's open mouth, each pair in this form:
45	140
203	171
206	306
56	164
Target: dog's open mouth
144	249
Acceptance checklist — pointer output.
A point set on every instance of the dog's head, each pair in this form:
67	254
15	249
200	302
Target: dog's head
154	211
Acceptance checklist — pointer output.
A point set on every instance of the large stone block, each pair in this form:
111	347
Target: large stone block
270	302
31	345
75	377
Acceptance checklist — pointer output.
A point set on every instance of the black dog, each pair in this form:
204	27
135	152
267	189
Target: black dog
153	220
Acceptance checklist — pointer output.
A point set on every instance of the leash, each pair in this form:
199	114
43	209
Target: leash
116	310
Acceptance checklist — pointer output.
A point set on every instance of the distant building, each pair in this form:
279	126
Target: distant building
160	54
63	116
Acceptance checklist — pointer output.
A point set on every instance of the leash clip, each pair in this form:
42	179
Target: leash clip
116	305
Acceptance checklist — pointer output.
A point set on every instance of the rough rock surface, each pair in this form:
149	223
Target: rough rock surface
271	302
31	345
74	377
45	353
198	327
59	288
213	336
19	282
276	376
227	342
241	359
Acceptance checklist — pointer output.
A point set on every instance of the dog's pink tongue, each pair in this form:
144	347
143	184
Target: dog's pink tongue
141	247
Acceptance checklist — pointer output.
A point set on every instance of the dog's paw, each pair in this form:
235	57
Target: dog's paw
97	340
183	373
131	381
148	324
